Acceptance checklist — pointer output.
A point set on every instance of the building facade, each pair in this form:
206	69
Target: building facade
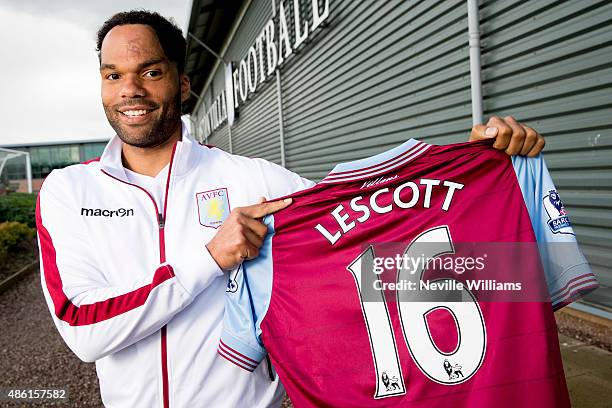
310	83
45	157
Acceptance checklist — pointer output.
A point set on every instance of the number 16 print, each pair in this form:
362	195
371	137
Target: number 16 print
450	368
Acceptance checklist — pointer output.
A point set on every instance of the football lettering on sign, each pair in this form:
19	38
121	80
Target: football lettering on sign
213	207
269	51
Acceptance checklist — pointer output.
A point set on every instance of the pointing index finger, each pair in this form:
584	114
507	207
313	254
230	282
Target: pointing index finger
262	209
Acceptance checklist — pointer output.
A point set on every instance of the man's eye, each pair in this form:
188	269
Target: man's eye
112	77
153	74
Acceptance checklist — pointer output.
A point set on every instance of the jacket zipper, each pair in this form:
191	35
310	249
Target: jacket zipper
161	218
161	223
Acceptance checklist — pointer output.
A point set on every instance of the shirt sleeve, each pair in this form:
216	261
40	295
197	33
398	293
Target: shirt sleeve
94	317
247	299
279	181
568	274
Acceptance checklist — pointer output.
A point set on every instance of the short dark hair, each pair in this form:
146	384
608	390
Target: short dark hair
170	36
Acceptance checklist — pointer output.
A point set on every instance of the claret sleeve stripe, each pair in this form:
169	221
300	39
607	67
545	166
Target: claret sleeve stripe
574	295
239	364
579	288
237	358
88	313
229	349
573	283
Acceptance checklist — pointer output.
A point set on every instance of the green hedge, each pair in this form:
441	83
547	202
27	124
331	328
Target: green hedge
20	207
12	235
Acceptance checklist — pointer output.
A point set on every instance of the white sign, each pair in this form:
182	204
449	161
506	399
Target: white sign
263	57
229	92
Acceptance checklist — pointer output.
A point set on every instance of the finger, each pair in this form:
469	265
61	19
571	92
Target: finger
504	133
263	209
518	136
249	252
531	137
482	132
254	225
537	148
253	239
262	200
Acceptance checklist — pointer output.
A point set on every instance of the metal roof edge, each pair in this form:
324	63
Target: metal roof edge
224	48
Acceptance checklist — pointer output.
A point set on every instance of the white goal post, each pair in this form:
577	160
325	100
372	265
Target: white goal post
7	154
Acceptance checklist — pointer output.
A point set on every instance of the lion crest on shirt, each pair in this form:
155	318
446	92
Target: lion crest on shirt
390	383
558	221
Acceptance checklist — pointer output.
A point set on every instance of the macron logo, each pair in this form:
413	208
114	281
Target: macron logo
121	212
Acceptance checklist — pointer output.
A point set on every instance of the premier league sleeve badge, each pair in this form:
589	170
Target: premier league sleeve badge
558	221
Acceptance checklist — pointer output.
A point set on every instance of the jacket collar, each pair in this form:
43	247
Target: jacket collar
184	156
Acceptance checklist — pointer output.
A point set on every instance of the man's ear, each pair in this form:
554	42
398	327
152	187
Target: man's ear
185	87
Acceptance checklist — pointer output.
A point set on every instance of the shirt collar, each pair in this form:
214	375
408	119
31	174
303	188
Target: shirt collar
377	165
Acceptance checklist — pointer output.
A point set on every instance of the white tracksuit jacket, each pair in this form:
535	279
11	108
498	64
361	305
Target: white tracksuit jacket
132	286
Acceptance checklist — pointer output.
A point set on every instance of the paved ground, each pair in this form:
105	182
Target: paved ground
34	356
588	370
33	353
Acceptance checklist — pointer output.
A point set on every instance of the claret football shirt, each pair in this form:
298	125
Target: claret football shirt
347	324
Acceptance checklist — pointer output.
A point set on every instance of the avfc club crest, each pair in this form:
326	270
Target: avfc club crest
558	221
213	207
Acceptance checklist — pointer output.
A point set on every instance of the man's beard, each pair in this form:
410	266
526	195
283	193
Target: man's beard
156	133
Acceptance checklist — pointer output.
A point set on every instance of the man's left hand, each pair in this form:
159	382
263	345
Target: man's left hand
510	136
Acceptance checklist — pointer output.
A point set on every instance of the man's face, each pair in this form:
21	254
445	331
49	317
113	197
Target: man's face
141	89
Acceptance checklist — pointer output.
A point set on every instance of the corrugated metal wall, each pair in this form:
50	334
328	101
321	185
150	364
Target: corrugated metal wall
381	73
384	71
220	137
549	63
256	131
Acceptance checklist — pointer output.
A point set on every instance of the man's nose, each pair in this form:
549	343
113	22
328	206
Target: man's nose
132	87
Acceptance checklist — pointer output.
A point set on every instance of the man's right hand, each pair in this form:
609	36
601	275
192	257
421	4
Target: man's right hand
242	234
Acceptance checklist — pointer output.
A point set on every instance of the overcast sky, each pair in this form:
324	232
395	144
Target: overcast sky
49	79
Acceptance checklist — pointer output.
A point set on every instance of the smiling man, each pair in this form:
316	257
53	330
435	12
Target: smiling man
142	295
142	90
